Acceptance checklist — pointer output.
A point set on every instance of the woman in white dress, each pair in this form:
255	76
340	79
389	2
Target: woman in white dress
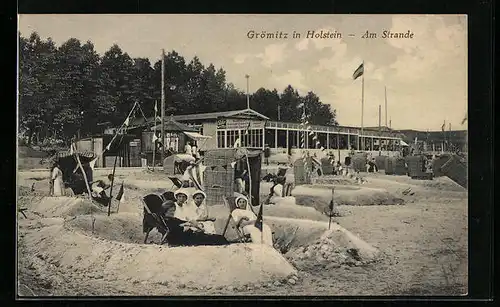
245	220
201	212
57	180
185	210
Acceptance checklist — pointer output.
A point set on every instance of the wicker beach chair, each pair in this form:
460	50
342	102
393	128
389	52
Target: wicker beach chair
231	205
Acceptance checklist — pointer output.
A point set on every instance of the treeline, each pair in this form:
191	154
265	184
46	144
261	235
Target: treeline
70	90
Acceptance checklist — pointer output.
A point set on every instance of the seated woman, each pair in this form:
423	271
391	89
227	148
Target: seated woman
185	210
201	212
181	233
99	188
245	220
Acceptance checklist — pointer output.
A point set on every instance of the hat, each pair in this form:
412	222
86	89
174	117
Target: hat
200	192
241	197
180	191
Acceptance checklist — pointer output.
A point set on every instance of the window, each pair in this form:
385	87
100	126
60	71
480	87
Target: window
270	138
332	141
255	136
322	140
232	135
292	139
220	139
281	139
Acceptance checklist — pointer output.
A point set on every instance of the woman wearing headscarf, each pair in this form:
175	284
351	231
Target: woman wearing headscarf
185	210
245	220
57	180
201	212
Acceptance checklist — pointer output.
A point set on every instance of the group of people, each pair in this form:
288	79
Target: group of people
191	149
189	221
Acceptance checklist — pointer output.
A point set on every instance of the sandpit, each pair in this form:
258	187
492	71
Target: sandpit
203	266
336	247
319	196
63	206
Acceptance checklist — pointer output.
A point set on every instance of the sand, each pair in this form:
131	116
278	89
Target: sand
421	247
213	266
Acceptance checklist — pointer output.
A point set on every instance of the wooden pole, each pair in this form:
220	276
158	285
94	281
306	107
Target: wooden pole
338	145
331	210
385	91
362	106
162	105
379	130
248	89
154	143
249	184
88	187
111	189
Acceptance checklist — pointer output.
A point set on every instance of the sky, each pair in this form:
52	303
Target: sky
425	76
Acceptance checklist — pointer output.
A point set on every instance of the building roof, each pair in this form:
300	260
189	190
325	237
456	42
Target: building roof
174	126
245	113
434	136
215	115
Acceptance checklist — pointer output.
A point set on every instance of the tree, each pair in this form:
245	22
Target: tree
289	100
118	68
70	90
319	113
266	102
36	82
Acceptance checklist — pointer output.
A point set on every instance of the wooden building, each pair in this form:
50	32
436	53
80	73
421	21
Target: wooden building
126	147
256	131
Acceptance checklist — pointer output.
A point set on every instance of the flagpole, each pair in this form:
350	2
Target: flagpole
162	105
362	106
385	91
248	95
154	139
379	130
449	136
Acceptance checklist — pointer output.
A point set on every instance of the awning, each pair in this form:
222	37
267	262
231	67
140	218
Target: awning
403	143
196	136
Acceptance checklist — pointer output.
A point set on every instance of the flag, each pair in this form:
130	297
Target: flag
247	129
154	138
119	196
359	71
92	163
126	122
237	143
259	221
